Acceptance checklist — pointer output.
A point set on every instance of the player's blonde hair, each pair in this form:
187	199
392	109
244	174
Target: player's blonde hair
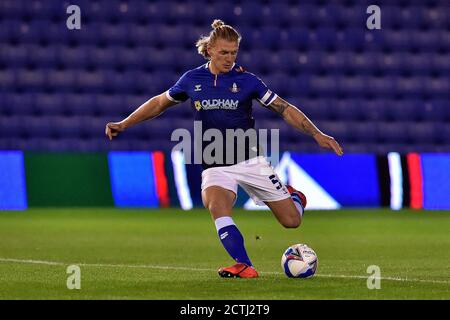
220	31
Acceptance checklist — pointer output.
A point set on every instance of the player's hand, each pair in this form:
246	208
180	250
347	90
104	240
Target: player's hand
113	129
328	142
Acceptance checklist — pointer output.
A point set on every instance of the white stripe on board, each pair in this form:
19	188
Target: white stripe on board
179	169
396	175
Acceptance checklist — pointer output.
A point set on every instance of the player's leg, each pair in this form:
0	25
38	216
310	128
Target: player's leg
263	185
219	200
286	212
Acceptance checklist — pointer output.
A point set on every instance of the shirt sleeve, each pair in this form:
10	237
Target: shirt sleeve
262	93
178	92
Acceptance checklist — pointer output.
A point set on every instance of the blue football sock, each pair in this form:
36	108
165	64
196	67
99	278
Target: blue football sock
232	239
298	203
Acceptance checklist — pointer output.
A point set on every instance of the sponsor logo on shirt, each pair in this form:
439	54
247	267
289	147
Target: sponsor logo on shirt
213	104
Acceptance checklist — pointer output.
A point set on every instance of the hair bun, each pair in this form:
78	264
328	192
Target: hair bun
217	23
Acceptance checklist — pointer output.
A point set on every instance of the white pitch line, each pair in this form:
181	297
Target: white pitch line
101	265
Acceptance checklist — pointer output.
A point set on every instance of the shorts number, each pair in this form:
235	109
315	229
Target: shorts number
275	181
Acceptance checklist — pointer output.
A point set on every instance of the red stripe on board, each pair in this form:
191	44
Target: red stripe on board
162	189
415	180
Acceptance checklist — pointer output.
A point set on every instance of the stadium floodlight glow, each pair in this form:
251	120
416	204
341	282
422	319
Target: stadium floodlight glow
396	175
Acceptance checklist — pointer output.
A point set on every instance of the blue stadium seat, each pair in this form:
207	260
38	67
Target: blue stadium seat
143	35
438	88
288	61
12	127
130	58
250	12
351	16
315	109
40	127
264	38
380	86
276	81
74	57
119	82
157	130
49	105
335	62
361	63
70	127
413	87
419	64
131	102
365	133
170	36
436	110
110	105
426	40
106	58
297	37
33	80
393	132
325	38
347	110
11	29
440	62
423	132
340	130
113	34
162	59
224	10
405	110
79	104
283	13
14	56
89	81
326	86
374	110
61	81
42	56
355	86
20	104
353	38
11	8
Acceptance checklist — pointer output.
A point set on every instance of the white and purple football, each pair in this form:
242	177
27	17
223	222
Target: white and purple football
299	261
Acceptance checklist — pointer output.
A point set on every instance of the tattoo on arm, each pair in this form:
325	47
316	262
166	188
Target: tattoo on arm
278	105
297	119
308	127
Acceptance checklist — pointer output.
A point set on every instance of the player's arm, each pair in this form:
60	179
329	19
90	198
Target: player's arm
297	119
148	110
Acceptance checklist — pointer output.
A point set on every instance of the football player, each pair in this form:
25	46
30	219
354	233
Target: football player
221	94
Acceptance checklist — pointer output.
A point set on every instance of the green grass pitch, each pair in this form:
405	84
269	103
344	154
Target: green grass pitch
172	254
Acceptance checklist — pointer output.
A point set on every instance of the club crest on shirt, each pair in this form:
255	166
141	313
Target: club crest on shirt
234	88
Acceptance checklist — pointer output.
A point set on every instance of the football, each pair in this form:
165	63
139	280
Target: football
299	261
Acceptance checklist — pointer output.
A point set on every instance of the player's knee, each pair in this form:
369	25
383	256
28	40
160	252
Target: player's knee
216	208
292	222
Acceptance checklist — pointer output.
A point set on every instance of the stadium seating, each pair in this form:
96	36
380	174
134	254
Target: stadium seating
374	90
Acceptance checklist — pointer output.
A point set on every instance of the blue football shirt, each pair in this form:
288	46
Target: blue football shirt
222	101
